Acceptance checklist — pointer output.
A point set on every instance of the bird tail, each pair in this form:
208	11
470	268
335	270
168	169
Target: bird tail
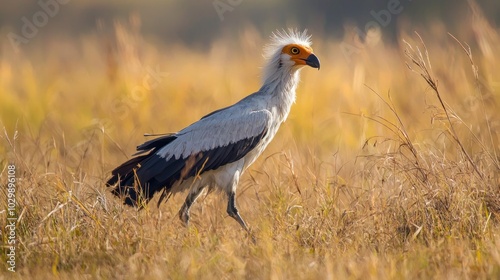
129	187
136	185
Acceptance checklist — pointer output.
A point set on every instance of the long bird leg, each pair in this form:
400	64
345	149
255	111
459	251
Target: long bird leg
190	199
233	211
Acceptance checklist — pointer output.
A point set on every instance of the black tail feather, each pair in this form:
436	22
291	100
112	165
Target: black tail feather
124	169
133	187
123	174
130	183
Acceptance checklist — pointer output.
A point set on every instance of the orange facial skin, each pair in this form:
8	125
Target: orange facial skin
301	55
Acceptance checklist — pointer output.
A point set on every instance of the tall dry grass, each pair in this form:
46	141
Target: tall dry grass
381	171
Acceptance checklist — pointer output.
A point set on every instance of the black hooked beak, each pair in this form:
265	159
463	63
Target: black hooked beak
313	61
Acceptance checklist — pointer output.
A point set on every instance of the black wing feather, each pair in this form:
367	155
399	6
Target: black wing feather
156	143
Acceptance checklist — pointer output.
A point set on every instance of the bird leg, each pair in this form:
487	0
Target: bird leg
190	199
233	212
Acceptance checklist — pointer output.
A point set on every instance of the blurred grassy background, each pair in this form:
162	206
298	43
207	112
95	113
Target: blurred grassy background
196	22
336	193
109	49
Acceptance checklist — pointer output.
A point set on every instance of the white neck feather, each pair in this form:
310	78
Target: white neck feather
281	86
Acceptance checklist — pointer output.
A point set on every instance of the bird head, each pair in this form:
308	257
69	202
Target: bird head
287	52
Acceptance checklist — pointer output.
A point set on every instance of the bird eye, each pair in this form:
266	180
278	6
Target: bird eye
295	50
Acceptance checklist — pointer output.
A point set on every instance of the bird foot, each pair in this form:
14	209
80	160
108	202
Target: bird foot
184	217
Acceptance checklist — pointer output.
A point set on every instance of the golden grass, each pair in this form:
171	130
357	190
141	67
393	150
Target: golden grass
371	176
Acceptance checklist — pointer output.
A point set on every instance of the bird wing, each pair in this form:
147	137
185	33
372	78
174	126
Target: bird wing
217	131
214	141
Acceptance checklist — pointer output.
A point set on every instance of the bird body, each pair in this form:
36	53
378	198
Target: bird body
216	150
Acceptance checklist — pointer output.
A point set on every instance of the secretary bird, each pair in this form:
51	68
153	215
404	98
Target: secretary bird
215	151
